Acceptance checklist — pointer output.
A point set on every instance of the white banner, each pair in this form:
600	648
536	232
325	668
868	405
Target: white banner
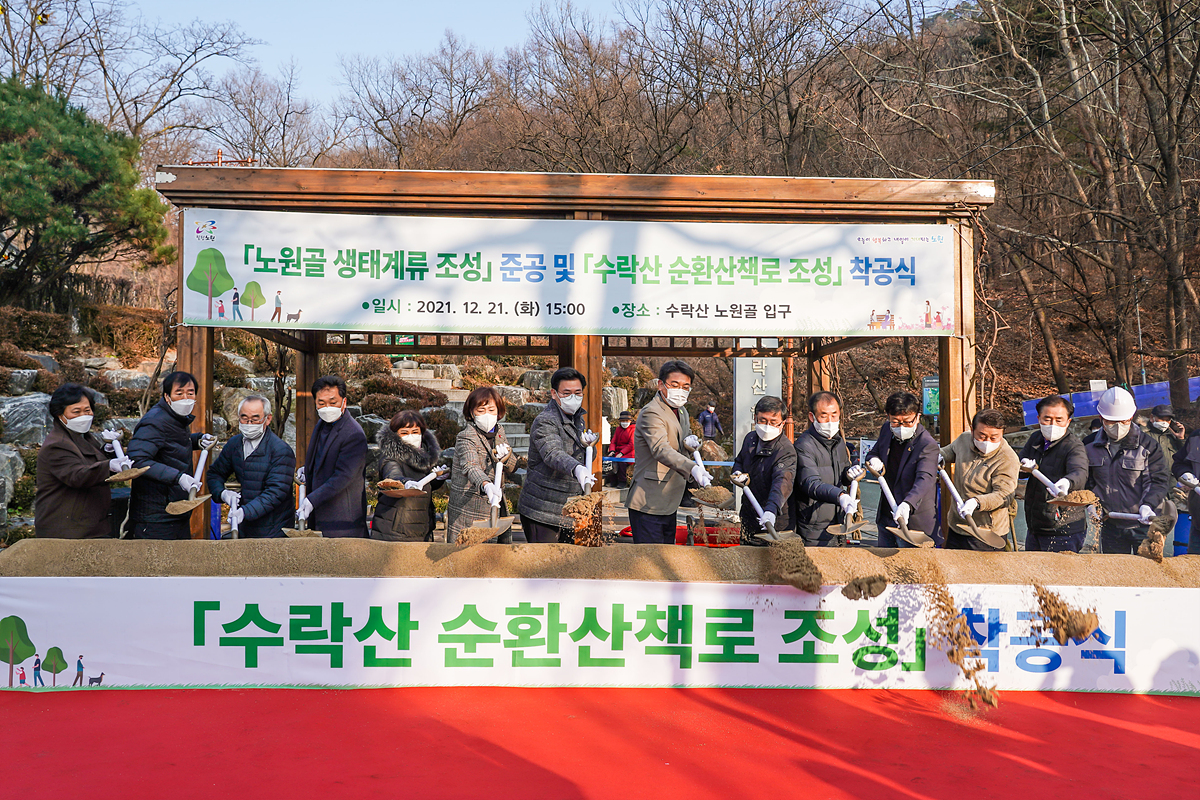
341	272
154	632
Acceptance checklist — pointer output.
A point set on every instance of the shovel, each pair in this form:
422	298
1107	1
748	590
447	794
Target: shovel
849	526
742	481
1195	487
420	490
184	506
985	536
233	526
476	533
125	474
1057	497
301	528
693	443
589	438
916	538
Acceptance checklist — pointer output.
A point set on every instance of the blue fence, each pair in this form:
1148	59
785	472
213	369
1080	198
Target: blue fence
1147	396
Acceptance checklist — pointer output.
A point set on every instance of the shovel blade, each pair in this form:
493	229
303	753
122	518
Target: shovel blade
845	530
293	533
915	538
126	475
184	506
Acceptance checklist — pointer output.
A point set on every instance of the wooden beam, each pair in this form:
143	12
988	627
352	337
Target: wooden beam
844	344
194	354
585	353
308	362
820	371
279	337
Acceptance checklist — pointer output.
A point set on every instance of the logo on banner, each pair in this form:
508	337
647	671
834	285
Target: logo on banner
206	231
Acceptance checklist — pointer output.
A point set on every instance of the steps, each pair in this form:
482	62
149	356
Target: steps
518	439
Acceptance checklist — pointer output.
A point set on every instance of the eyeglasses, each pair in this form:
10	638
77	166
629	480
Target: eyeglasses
571	394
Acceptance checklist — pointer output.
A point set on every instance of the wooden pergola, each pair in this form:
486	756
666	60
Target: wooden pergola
690	198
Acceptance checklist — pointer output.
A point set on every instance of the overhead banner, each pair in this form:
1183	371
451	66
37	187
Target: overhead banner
342	272
360	632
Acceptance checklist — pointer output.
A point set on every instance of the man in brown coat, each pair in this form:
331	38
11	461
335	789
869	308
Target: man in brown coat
985	476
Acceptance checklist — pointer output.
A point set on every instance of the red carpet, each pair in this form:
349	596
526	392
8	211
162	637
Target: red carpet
594	743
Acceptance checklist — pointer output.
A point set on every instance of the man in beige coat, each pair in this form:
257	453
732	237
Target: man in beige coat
985	477
662	465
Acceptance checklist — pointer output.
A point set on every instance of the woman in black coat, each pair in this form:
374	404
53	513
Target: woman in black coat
407	453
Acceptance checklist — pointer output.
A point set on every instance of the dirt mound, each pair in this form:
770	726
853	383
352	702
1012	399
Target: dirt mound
791	563
949	632
865	588
1061	619
1152	546
1082	496
717	496
587	511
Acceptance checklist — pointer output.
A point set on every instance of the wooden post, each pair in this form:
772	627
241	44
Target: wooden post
194	354
820	370
956	354
789	390
308	367
584	353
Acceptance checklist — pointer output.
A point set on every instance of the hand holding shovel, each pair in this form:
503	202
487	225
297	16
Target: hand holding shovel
185	506
851	523
589	439
235	516
916	538
114	438
742	481
1058	497
477	533
699	472
301	528
412	488
985	536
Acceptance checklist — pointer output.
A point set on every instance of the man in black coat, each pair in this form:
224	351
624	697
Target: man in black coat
1058	454
264	465
821	498
908	455
163	442
333	471
769	460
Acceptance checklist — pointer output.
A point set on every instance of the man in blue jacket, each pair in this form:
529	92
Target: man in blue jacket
333	471
908	456
263	464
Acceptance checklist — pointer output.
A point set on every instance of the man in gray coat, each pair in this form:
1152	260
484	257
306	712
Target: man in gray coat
557	454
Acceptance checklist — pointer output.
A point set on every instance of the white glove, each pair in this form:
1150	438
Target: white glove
767	518
110	436
238	514
494	495
1063	486
108	448
188	483
305	509
207	441
902	513
1028	465
1145	514
969	507
692	442
413	485
230	498
856	473
585	477
875	465
701	476
848	505
502	451
1188	478
300	476
119	464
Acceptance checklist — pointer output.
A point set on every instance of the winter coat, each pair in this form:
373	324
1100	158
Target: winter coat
161	441
72	498
266	481
1188	457
661	468
820	478
406	519
474	465
913	482
991	479
621	444
334	473
772	470
710	424
1135	476
555	450
1167	441
1064	458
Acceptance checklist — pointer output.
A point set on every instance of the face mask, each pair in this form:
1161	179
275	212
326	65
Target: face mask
677	397
486	422
985	447
570	404
1052	433
330	414
182	407
827	429
767	432
1116	431
252	430
904	434
79	424
1161	424
624	424
411	439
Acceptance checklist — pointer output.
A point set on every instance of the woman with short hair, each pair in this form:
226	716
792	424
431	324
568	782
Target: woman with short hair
408	451
473	489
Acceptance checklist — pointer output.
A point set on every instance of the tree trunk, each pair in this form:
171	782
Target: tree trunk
1039	314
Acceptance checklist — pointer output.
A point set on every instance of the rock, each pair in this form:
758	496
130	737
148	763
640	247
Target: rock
354	411
536	379
126	379
20	381
616	400
535	408
220	427
26	419
513	395
12	467
644	395
239	360
289	436
448	372
48	363
405	365
372	424
121	423
101	400
266	386
226	403
454	412
371	470
102	363
711	451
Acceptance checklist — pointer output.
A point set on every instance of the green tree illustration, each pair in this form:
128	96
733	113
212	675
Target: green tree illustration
15	646
209	276
54	663
252	296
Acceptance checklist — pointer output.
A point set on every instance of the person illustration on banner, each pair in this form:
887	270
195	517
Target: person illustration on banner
37	670
78	672
21	675
278	315
235	305
220	309
928	315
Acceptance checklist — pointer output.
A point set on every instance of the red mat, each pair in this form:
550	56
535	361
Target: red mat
594	743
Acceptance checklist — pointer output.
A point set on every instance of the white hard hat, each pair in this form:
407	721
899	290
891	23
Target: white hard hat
1116	404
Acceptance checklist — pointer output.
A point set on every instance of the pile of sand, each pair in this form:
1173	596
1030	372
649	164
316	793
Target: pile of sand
791	564
1082	496
1061	619
717	496
587	512
865	588
949	632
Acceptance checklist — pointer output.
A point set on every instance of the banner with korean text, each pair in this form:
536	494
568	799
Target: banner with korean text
343	272
181	631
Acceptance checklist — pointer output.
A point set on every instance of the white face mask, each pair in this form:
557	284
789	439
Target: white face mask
1052	433
330	414
677	397
1161	424
182	407
252	430
79	424
904	434
985	447
570	404
411	439
767	432
624	424
827	429
1116	431
486	422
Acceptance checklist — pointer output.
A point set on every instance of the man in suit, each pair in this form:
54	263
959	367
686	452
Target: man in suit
908	456
661	466
333	471
263	465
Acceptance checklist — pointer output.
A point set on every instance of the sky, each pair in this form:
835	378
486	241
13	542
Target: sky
316	33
